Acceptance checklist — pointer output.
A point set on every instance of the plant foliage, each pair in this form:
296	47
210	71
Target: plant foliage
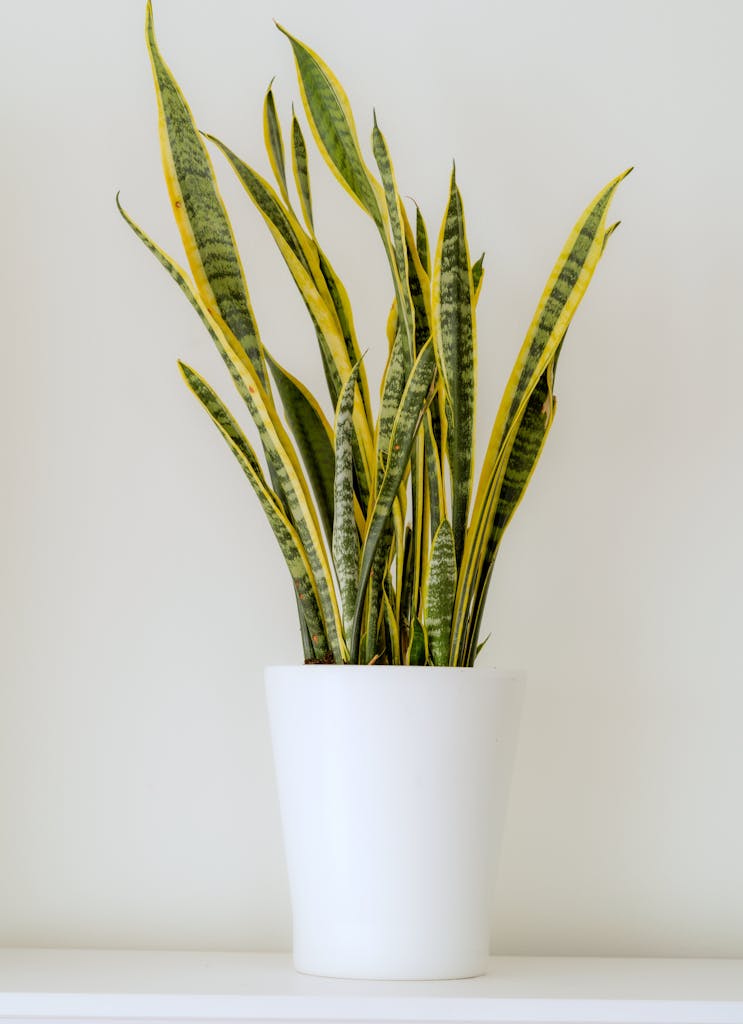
389	543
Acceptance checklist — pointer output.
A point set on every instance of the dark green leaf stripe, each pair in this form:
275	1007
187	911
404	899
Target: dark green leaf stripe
346	546
314	438
289	543
453	304
332	124
408	419
200	213
439	588
301	172
274	143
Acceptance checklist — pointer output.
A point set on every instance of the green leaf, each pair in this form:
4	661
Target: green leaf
288	541
301	172
314	437
419	286
480	647
417	652
454	320
478	269
408	419
393	385
435	481
331	120
374	596
346	546
274	143
439	588
421	240
200	213
393	631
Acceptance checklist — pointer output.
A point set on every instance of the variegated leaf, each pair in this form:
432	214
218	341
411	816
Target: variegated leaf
527	447
393	385
199	211
398	250
408	419
563	292
421	240
454	331
346	546
331	120
301	172
274	143
565	288
287	538
418	649
439	588
314	437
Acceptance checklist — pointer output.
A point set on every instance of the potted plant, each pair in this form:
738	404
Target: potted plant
392	749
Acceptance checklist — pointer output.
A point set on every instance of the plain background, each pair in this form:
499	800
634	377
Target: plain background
142	592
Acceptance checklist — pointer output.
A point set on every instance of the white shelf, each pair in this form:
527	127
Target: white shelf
158	987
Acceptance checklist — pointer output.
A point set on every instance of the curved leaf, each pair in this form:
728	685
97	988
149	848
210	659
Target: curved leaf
314	437
331	120
301	172
274	143
285	534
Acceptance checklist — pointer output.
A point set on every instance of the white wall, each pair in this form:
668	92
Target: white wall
141	592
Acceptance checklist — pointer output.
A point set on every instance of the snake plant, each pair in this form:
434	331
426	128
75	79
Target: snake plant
389	541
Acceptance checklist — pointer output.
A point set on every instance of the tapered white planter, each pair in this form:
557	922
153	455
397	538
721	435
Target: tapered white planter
392	784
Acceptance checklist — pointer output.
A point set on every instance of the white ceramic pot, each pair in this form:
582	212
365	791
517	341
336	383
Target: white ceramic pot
392	785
